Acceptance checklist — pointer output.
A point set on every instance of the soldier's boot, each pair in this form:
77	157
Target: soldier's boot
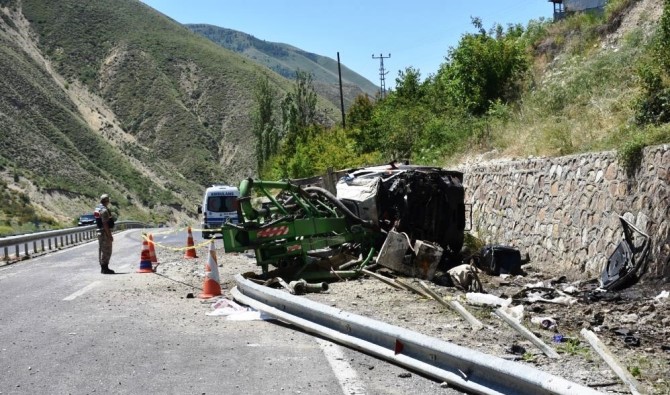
106	270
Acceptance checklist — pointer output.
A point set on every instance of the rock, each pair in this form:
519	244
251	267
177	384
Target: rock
629	318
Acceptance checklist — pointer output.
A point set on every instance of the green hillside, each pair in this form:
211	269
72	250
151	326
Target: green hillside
117	98
120	99
589	82
285	59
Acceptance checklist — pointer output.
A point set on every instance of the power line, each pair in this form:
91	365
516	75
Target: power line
382	74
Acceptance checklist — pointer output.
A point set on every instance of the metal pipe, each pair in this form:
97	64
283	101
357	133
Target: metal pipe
333	199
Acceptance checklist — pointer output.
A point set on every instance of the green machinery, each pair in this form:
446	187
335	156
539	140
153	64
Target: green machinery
303	232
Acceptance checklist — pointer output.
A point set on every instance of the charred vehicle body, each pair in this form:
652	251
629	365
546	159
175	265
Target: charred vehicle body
303	228
426	203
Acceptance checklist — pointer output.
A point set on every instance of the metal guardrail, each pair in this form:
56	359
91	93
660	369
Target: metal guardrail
469	369
54	239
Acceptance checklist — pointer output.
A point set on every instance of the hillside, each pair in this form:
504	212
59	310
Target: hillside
285	59
121	100
584	89
126	101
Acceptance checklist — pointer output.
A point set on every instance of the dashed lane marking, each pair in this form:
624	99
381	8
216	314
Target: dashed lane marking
346	375
83	290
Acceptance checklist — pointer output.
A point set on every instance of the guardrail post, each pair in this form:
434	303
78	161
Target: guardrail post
42	243
25	249
6	253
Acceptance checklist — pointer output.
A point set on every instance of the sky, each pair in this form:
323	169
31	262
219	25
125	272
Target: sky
414	33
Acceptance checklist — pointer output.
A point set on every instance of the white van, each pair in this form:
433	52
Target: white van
219	205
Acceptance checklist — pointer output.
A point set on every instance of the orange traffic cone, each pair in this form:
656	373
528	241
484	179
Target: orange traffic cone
190	250
145	258
152	249
211	287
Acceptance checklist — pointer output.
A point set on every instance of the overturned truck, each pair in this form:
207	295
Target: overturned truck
303	229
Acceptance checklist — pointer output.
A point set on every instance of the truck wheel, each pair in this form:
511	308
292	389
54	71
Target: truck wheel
206	235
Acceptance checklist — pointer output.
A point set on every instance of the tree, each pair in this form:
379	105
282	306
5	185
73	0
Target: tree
264	127
360	112
483	68
298	112
408	86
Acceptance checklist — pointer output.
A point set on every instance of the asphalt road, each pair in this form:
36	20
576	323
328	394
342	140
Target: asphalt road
67	329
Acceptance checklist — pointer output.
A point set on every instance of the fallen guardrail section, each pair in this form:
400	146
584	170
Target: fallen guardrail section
459	366
53	239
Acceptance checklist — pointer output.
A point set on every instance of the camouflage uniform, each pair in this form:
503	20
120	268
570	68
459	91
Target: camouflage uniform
105	238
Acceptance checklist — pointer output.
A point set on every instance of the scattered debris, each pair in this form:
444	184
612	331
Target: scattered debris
662	295
234	312
534	293
516	349
548	351
301	287
486	299
607	356
548	323
474	322
410	287
628	260
498	259
383	279
465	278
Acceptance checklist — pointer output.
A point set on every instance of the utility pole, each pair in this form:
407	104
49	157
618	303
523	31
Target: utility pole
382	73
339	73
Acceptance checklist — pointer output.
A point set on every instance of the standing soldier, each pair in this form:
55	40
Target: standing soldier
105	222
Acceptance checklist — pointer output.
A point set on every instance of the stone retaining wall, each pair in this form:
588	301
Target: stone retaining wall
564	211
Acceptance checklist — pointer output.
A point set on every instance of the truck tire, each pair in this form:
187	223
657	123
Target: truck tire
206	235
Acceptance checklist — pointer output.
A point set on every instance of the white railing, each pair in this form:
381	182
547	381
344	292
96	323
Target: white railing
53	240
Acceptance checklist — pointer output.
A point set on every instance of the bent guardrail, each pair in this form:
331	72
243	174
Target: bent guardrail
54	239
469	369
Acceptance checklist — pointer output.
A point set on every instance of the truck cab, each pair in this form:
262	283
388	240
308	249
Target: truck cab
219	205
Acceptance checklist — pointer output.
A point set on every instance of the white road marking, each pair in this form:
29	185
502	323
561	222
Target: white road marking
345	374
83	290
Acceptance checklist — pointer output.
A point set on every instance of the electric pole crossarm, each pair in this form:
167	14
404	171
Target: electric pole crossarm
382	73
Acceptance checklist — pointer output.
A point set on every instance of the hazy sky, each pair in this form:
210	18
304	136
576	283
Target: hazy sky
416	33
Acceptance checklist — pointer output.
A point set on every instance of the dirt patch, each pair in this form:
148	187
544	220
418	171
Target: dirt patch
631	323
643	17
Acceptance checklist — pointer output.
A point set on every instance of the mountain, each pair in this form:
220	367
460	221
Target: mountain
115	97
285	59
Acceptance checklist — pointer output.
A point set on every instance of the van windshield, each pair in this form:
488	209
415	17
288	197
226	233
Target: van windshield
222	204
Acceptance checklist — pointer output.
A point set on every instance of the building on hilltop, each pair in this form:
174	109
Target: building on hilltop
567	7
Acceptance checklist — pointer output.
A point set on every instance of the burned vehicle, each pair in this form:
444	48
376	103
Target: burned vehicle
426	203
305	230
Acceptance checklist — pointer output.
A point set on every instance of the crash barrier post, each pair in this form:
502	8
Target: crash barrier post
469	369
609	358
190	247
145	258
152	249
472	320
52	239
211	287
523	331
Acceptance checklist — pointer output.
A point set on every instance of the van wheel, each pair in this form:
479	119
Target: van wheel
206	235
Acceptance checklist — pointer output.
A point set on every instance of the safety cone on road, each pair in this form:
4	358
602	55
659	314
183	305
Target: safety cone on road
152	249
190	249
211	286
145	258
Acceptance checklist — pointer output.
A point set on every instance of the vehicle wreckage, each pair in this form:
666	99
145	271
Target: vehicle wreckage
307	230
